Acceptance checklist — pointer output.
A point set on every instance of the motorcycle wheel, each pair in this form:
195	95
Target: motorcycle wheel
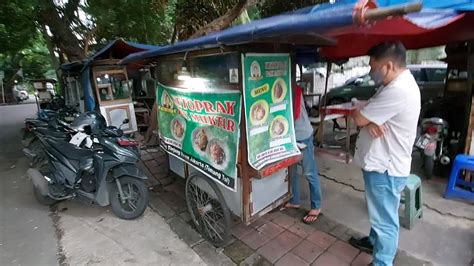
429	166
136	198
43	200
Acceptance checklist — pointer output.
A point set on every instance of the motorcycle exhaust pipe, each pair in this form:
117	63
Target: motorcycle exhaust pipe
444	160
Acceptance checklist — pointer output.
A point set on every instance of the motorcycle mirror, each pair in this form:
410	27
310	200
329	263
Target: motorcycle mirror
359	81
125	121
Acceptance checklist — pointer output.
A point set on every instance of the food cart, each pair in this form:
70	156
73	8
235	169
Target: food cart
99	83
225	111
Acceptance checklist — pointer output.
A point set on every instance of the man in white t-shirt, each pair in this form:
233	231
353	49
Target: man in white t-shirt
388	129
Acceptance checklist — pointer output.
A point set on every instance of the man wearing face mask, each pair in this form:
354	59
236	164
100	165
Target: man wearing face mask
384	146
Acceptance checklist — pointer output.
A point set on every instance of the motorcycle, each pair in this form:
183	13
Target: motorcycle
432	145
105	174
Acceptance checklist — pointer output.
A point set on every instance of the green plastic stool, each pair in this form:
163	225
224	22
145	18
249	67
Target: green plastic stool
412	199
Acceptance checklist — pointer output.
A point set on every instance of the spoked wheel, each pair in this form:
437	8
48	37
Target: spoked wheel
208	209
135	199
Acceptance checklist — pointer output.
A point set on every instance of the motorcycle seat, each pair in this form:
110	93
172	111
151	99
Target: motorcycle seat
71	151
50	133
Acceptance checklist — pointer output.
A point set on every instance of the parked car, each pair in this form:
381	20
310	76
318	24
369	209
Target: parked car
21	95
430	79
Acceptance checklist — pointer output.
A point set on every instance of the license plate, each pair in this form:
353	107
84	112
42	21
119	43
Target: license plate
423	141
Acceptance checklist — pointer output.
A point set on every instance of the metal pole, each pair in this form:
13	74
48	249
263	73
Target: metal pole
3	91
322	105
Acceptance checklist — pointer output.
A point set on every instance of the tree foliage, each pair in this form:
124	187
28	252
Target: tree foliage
192	15
17	29
269	8
144	21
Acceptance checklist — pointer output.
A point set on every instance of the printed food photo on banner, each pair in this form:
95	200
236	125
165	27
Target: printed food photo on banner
268	109
202	128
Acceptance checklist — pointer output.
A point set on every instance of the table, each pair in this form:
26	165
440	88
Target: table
331	112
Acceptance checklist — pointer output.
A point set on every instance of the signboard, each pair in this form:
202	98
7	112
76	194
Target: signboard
268	108
202	129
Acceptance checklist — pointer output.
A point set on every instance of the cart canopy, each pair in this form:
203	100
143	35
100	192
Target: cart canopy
321	25
428	28
303	27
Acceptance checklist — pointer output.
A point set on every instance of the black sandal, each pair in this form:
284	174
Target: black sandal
308	216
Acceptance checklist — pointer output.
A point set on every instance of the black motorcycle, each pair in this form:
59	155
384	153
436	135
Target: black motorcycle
104	174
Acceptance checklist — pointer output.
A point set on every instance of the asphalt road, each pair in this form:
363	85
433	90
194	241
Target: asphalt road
27	233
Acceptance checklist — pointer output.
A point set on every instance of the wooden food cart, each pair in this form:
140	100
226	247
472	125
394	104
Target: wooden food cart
44	92
225	112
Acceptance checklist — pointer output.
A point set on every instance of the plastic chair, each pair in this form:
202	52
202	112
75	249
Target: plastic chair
461	163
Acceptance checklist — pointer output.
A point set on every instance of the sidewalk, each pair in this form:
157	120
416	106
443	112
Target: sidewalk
278	237
91	235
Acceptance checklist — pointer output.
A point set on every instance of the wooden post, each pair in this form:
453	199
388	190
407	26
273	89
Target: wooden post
153	123
470	86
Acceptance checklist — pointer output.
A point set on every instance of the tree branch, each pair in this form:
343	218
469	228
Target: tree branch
70	8
223	21
87	39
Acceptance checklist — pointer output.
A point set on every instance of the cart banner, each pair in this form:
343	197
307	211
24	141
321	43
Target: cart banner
268	108
202	129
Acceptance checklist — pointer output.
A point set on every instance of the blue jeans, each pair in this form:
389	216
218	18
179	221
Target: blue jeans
311	173
382	193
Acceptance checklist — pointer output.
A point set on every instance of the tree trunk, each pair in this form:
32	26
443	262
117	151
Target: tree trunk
223	21
153	124
64	38
51	48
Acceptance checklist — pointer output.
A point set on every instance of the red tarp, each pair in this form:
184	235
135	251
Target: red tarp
357	40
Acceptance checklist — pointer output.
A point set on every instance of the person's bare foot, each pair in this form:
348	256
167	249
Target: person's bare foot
312	216
290	206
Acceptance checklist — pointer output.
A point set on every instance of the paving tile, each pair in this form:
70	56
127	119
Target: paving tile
403	258
284	220
259	222
362	260
291	259
255	239
146	157
279	246
240	230
165	181
238	251
176	188
288	240
270	229
272	251
174	202
328	259
343	251
301	229
155	169
185	216
150	164
324	224
210	256
255	260
160	207
339	232
321	239
184	231
272	215
308	251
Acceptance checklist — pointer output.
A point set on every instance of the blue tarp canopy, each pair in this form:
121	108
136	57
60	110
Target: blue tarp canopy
307	26
117	49
290	28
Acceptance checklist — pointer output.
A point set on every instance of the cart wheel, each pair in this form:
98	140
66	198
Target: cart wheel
208	209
